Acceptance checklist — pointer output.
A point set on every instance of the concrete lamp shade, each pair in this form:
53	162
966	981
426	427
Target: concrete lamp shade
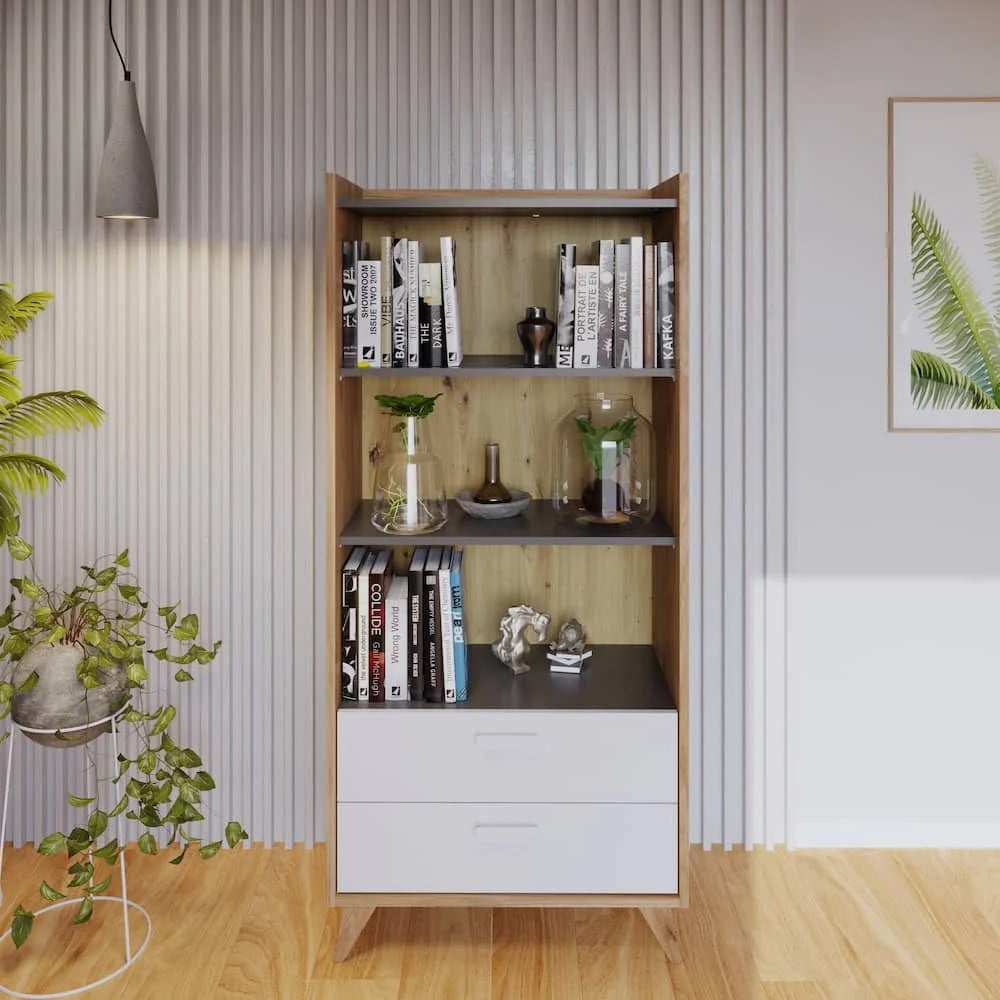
126	186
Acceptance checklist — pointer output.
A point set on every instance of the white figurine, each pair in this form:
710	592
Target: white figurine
512	646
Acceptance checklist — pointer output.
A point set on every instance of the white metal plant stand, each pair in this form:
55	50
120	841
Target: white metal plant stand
130	955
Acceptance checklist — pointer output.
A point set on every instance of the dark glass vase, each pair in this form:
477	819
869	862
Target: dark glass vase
492	490
536	332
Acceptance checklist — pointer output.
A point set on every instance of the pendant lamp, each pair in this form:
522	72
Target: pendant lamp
126	185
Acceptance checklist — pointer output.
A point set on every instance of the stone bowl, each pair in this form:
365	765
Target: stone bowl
494	511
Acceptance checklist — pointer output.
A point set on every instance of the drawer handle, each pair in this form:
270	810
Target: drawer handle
508	746
505	834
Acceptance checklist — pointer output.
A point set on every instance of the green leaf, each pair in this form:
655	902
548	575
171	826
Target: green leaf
128	591
204	781
167	715
109	852
20	927
100	887
936	383
188	758
180	857
120	808
147	844
105	577
189	792
210	850
122	559
84	913
78	800
97	823
77	841
19	549
47	892
29	473
235	833
30	589
136	673
6	691
182	675
146	761
28	683
52	844
187	629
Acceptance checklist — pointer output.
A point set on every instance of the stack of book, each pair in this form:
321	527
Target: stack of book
618	309
403	635
400	311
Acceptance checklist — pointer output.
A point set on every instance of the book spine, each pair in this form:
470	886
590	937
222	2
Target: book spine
649	306
458	633
369	310
585	336
604	251
415	593
431	317
413	304
399	299
447	630
449	293
635	302
433	686
349	304
376	636
623	344
565	305
363	625
385	298
349	635
397	629
666	309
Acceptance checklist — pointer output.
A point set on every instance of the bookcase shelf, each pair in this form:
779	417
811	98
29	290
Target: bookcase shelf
617	678
506	365
530	205
538	525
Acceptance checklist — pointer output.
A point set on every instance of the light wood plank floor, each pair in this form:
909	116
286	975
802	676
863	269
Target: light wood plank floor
794	926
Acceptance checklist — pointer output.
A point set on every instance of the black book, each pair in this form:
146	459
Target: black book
349	624
433	679
431	341
604	257
353	251
379	579
415	586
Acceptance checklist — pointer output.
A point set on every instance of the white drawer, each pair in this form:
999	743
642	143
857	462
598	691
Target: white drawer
506	848
397	755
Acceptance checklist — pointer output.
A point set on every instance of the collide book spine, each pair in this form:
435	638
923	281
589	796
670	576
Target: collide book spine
379	579
349	624
399	296
447	625
458	629
397	627
415	594
565	305
353	251
363	626
449	293
369	314
433	681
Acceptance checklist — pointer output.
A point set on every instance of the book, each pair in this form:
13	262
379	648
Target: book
623	342
565	305
433	681
363	623
349	623
585	326
635	285
353	251
449	292
379	578
385	299
397	635
458	628
649	305
369	314
666	307
431	317
415	594
604	254
413	304
399	300
447	626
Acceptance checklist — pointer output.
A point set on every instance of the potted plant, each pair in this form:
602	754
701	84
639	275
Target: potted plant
79	655
409	495
24	417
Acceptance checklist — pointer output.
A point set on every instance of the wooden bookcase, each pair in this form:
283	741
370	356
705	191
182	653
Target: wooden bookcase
628	588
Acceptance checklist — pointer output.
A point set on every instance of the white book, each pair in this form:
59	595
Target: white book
447	626
397	659
364	625
369	314
413	304
449	290
588	292
385	323
635	297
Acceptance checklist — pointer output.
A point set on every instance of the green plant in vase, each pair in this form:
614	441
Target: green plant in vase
409	496
604	447
76	657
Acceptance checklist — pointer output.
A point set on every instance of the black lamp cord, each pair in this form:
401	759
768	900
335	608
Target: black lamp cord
111	28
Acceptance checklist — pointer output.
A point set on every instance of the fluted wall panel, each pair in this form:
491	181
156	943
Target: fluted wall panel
202	332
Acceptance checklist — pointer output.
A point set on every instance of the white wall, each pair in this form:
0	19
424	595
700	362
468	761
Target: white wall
893	552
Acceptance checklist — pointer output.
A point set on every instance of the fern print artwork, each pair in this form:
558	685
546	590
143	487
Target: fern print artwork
945	264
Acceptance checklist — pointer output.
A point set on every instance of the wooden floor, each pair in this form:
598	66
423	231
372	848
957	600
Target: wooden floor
797	926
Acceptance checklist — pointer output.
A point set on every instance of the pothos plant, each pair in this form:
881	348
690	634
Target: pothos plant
604	494
106	618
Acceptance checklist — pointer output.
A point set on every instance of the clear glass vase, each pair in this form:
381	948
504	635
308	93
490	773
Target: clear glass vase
603	462
409	495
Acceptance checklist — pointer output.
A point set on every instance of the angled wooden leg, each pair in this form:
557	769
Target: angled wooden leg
353	920
663	923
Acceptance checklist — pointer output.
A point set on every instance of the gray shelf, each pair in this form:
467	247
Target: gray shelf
537	205
538	525
506	365
618	678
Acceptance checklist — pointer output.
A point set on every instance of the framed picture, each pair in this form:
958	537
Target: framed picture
944	264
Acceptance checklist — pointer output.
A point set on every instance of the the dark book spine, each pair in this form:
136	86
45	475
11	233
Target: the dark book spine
376	636
415	595
349	303
434	682
666	307
431	317
349	634
604	253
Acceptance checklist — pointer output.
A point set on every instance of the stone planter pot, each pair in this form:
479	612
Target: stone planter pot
59	700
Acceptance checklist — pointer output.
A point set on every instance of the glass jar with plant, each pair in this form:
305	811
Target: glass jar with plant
409	495
603	462
78	656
